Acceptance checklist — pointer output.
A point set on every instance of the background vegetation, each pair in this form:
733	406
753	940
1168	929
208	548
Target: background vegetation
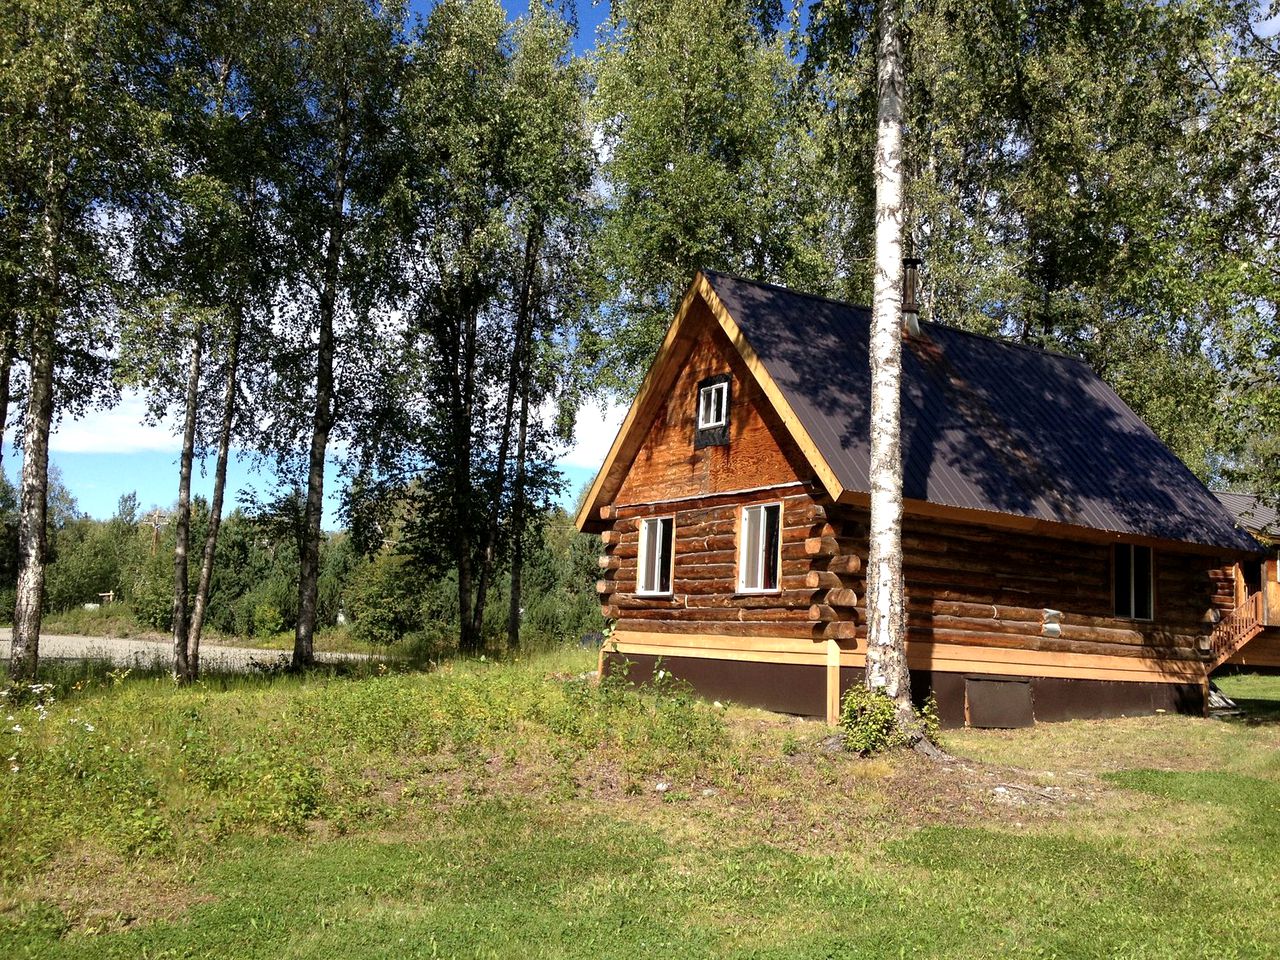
379	601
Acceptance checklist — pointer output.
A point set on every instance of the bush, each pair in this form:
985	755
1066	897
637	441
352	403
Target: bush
869	720
267	620
153	594
385	600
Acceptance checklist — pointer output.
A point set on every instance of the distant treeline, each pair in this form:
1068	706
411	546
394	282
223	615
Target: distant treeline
383	598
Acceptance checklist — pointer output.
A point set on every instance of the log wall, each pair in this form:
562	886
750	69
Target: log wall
704	597
1028	601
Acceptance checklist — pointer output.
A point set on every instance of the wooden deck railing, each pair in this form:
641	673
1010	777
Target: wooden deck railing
1235	630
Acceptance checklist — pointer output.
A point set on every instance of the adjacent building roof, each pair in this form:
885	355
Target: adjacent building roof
987	425
1252	514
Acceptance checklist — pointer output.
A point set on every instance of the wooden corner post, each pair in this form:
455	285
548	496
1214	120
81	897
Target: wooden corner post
833	682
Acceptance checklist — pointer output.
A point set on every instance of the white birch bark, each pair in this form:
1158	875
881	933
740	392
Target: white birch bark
886	660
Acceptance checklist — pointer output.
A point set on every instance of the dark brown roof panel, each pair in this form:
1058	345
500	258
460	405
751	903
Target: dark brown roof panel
986	424
1251	513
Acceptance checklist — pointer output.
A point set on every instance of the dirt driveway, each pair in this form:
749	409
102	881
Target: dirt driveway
143	653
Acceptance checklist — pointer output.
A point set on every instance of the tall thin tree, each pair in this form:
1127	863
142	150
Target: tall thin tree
886	661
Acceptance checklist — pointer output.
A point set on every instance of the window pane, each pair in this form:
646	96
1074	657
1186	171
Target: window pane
770	559
1142	599
647	547
664	559
751	548
704	407
1123	579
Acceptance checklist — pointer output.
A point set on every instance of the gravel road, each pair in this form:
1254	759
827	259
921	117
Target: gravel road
143	653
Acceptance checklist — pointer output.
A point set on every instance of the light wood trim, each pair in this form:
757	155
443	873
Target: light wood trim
833	682
921	655
771	390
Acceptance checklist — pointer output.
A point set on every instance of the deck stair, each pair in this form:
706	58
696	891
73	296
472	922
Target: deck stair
1235	630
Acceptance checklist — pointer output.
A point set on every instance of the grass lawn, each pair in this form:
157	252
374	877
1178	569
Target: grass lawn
515	810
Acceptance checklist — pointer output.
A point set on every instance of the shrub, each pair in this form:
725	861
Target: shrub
153	596
267	620
868	718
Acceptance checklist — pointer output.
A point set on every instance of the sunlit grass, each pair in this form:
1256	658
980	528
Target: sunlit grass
516	810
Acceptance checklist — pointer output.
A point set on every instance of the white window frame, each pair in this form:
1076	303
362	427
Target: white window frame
642	558
1132	549
706	403
744	546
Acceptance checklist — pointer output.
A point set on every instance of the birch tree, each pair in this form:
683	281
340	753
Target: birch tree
203	252
342	73
72	139
886	662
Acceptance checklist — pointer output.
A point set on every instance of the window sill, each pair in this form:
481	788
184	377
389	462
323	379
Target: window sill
776	592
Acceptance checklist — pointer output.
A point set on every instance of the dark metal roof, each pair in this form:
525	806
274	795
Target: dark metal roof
1251	513
986	424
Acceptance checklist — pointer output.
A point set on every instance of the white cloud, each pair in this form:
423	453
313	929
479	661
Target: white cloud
593	435
122	429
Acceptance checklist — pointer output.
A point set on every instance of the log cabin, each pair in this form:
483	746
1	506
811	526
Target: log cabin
1258	576
1060	561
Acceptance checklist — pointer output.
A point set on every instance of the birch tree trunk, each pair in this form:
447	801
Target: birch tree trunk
518	512
201	602
24	653
182	539
322	419
886	661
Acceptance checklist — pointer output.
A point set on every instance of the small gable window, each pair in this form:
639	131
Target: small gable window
760	548
1133	581
654	561
713	412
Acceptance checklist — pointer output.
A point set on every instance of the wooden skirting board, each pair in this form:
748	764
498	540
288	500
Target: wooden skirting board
922	655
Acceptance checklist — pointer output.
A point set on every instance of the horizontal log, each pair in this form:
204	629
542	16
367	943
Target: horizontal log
842	597
803	629
609	563
970	638
822	611
610	537
837	630
714	503
821	546
774	615
606	586
823	579
847	563
801	597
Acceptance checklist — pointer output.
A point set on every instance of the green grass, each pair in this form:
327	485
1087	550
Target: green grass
511	810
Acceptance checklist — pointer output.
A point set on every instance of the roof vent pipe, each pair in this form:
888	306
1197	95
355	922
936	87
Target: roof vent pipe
910	300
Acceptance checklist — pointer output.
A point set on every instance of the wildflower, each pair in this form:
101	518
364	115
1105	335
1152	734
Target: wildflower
17	727
88	726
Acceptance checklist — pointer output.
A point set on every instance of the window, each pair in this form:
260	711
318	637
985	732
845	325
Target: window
1132	581
712	414
655	557
713	405
760	548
